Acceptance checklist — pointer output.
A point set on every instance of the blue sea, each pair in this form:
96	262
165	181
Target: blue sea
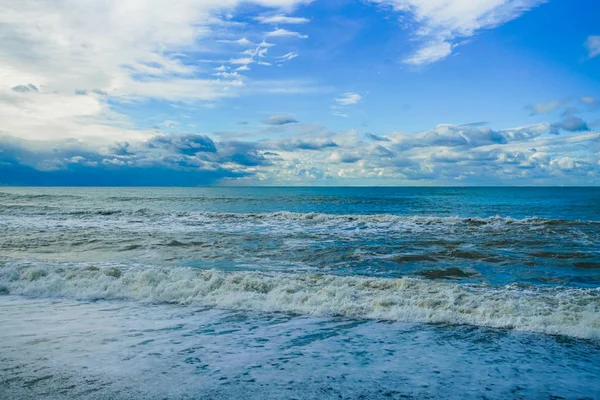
299	293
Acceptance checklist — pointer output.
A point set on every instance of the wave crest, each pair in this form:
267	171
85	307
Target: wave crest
562	311
303	217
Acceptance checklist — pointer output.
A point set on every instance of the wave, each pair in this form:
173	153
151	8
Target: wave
561	311
383	218
306	217
37	196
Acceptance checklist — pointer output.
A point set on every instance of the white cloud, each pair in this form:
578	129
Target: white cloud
125	49
288	56
242	61
440	23
565	106
342	102
588	100
339	114
230	75
243	41
266	44
546	107
285	33
310	153
281	19
53	116
280	120
444	154
592	45
430	53
349	99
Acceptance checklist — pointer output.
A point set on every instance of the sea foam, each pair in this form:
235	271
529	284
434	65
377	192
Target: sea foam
563	311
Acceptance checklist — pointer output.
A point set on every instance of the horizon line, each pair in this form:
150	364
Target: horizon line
302	186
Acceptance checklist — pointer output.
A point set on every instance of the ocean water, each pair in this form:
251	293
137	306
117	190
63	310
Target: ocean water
300	293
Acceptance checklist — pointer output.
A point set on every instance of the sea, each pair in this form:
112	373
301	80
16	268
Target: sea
300	293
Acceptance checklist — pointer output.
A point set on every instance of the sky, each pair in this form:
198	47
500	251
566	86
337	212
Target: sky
300	92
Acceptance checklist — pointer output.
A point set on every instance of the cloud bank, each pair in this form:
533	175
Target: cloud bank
82	81
474	154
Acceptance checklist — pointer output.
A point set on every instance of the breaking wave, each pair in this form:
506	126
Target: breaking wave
562	311
26	209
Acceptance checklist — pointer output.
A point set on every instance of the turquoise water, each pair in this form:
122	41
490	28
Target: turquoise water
391	292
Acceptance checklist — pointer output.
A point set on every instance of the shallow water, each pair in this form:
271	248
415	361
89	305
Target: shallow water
379	292
131	350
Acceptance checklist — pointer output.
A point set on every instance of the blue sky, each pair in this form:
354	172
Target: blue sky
300	92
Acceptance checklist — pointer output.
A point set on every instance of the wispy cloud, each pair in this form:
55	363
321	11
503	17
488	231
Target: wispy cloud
432	52
242	42
545	107
285	33
566	106
112	53
589	100
441	24
348	99
279	120
592	44
342	102
281	19
289	56
242	61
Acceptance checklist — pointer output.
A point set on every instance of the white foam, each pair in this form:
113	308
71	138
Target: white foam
564	311
350	225
105	350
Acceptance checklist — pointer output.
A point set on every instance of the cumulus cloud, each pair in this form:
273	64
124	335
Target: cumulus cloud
440	24
25	88
470	136
244	154
345	158
81	59
279	120
592	44
470	154
177	159
293	144
376	138
571	124
445	154
188	144
66	64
